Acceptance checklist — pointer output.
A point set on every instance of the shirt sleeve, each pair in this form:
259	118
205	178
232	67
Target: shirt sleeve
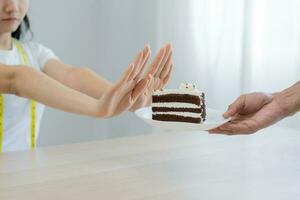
42	54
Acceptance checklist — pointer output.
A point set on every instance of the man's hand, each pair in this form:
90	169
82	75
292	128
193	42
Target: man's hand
250	113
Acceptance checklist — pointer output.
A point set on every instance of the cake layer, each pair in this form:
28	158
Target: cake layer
184	98
176	118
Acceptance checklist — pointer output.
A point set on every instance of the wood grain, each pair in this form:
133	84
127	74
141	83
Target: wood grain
190	165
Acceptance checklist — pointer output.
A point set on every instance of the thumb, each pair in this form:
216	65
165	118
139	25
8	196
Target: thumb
141	87
236	107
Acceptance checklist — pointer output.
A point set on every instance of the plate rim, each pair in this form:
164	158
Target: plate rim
152	122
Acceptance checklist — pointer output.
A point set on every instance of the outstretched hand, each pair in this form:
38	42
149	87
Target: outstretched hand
125	92
160	69
250	113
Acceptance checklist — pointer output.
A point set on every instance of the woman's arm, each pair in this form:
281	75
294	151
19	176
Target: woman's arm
27	82
87	81
83	79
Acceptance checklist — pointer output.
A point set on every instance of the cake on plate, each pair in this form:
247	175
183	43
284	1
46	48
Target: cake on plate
185	104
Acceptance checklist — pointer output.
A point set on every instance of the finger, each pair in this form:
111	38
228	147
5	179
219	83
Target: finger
151	84
137	64
157	85
148	97
156	62
141	73
146	53
124	78
167	78
135	89
149	93
130	98
240	128
224	128
124	89
216	129
218	132
235	107
140	55
168	54
166	69
223	132
141	87
131	85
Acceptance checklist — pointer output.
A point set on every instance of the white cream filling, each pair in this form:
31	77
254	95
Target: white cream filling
184	114
175	105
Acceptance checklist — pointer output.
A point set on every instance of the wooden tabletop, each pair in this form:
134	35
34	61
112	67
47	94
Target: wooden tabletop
191	165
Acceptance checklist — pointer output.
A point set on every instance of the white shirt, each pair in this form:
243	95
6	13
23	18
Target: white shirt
17	110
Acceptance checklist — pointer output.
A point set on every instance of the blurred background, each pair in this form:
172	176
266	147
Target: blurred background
225	47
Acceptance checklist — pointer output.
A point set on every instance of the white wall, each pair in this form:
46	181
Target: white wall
229	47
104	35
214	43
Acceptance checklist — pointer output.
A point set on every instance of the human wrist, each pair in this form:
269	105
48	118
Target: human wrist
289	99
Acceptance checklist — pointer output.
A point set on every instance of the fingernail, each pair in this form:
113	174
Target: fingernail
168	46
225	115
146	48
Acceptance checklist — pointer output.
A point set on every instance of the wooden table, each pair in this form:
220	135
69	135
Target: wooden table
191	165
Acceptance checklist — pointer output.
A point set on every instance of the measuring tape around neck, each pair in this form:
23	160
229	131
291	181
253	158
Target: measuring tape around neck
33	105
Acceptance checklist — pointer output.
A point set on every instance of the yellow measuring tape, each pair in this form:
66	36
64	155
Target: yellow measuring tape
33	105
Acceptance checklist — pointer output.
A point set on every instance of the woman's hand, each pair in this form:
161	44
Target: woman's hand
252	112
160	69
123	94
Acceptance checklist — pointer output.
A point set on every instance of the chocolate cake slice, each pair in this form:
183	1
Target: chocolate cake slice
185	104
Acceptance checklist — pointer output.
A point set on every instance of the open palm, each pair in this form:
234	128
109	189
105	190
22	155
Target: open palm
125	92
251	113
160	71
